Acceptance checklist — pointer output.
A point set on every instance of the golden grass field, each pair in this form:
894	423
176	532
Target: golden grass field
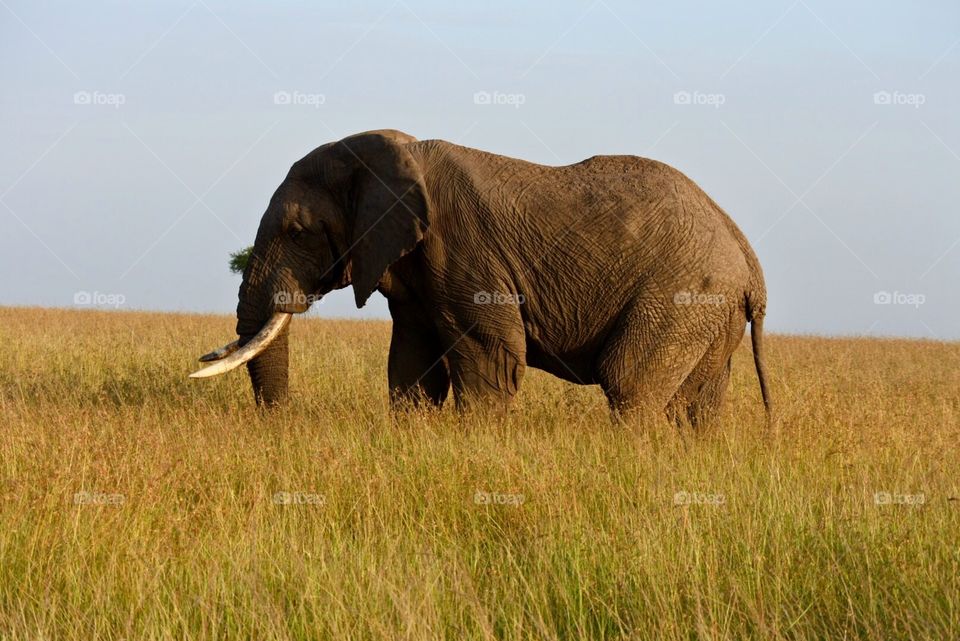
138	504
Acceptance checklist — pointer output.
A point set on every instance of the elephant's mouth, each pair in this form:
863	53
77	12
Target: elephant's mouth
233	355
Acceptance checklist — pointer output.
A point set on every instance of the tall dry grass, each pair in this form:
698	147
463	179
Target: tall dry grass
137	504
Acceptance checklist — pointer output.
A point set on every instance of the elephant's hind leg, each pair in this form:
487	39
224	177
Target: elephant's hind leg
701	395
648	357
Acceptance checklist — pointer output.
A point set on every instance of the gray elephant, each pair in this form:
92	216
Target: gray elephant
616	270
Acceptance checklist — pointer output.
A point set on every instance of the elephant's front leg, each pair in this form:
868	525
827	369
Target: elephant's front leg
486	381
416	368
486	346
486	370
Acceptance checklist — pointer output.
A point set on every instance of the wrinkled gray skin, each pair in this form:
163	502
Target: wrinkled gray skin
630	276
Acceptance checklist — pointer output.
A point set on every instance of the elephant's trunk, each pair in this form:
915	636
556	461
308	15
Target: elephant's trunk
266	304
242	351
269	370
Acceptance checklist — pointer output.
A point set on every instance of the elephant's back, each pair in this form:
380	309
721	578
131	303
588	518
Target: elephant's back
662	222
633	179
620	164
640	170
656	187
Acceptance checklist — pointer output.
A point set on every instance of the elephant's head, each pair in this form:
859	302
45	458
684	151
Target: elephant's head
343	215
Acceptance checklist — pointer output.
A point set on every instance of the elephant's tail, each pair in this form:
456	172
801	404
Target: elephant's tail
755	316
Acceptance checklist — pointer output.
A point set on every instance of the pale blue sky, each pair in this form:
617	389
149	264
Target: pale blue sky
139	203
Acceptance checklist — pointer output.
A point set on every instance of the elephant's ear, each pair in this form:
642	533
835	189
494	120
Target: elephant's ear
389	202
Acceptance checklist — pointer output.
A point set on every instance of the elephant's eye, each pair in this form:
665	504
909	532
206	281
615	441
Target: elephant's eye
295	230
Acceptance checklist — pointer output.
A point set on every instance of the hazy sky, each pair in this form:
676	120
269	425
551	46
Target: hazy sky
142	141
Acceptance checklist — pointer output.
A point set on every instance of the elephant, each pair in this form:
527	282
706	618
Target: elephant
617	271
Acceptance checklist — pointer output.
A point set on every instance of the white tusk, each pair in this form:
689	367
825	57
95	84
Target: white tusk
257	344
221	352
